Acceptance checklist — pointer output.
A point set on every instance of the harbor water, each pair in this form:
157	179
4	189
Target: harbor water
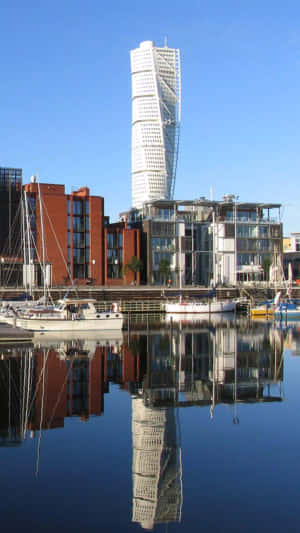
174	426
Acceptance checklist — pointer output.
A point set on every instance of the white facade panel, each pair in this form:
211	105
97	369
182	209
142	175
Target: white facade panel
228	245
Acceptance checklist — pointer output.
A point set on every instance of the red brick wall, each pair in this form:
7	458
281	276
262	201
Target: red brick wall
96	238
55	216
131	247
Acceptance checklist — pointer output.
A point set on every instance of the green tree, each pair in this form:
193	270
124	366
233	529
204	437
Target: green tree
135	265
164	269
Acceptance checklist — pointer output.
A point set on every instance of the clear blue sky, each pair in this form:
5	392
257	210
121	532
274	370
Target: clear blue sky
65	93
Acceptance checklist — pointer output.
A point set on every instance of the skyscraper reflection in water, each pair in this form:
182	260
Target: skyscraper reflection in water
156	465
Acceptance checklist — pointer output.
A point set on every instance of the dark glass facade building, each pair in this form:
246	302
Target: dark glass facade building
10	211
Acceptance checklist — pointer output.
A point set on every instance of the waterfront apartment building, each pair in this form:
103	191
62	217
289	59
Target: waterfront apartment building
66	232
203	242
10	224
122	245
156	110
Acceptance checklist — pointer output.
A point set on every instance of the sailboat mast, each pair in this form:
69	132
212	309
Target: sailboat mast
23	230
43	239
28	266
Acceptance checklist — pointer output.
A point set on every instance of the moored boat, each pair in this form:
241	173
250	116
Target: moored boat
211	306
263	310
289	310
70	314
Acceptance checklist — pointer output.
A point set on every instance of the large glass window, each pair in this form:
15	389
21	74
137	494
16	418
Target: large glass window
110	240
158	256
78	224
162	243
114	254
244	216
245	259
264	244
78	240
79	255
77	207
244	230
246	244
264	231
165	213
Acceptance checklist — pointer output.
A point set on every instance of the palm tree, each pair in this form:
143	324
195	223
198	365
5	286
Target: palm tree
164	269
134	266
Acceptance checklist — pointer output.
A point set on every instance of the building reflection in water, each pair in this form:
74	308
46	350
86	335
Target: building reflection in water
183	365
199	366
44	383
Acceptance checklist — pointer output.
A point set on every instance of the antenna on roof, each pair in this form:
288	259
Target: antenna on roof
166	42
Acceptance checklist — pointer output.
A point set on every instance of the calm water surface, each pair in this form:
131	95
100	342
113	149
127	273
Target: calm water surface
187	427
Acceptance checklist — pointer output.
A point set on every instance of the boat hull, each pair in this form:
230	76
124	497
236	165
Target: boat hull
287	311
262	311
200	307
87	324
289	315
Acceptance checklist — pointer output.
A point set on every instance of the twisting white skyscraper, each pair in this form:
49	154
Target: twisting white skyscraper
156	109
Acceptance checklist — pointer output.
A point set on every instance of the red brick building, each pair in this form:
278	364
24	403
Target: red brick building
73	232
121	246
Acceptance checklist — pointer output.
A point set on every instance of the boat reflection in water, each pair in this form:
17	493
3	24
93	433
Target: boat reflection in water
202	364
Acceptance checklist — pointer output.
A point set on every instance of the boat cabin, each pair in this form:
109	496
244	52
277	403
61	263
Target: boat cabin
74	308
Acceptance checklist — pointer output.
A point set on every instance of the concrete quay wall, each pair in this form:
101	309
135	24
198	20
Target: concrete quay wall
155	294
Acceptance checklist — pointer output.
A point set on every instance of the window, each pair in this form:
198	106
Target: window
264	231
245	230
77	207
78	240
